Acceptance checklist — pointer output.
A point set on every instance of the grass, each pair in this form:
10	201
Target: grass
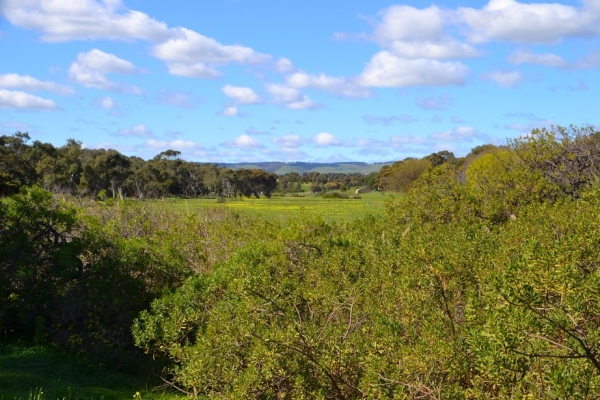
283	207
38	373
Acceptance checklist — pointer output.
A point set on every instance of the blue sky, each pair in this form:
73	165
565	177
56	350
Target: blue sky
258	80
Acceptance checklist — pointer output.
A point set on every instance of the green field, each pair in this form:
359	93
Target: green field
288	206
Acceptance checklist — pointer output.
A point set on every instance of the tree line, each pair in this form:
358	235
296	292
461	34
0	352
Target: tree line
75	170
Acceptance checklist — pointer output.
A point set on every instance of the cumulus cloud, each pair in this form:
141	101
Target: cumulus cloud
528	57
191	47
336	85
445	49
177	99
190	54
326	139
195	70
284	65
512	21
61	21
186	52
26	82
105	103
24	101
289	141
177	144
240	94
290	97
140	130
386	70
243	142
459	134
437	119
230	111
400	22
503	78
407	140
90	69
387	121
441	103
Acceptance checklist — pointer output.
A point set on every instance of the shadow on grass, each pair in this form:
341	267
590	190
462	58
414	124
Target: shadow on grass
24	370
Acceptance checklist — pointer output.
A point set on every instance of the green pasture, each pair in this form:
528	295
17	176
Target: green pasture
289	206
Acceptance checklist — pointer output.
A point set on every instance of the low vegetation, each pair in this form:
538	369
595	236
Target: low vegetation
482	282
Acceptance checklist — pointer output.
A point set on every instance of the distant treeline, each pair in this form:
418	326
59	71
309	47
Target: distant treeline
75	170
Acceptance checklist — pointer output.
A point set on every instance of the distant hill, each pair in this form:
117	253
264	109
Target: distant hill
281	168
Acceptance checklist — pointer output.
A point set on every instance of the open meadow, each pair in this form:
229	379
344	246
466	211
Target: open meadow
330	209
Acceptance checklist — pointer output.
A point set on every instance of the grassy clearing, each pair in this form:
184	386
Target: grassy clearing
288	206
38	373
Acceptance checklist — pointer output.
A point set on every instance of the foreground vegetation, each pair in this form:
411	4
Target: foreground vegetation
482	282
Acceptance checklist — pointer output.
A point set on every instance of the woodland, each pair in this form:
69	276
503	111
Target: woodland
481	281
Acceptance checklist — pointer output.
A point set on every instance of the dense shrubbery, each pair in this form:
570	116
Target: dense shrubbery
487	289
482	282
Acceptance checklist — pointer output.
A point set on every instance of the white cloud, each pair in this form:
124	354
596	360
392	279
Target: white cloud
244	142
177	99
503	78
386	70
197	70
284	65
106	103
326	139
536	123
289	141
459	134
230	111
409	32
26	82
177	144
444	49
407	140
303	104
405	22
64	20
186	52
290	97
25	101
430	103
240	94
527	57
189	47
511	21
140	130
283	93
336	85
90	69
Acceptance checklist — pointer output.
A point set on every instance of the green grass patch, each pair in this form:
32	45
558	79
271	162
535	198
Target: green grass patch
330	209
39	373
